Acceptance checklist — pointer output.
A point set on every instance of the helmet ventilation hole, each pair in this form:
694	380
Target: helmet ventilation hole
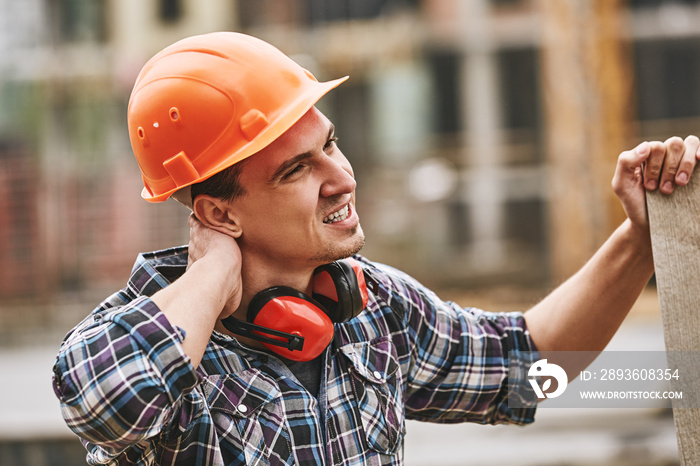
141	133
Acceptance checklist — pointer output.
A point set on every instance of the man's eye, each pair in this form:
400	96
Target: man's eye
330	142
293	171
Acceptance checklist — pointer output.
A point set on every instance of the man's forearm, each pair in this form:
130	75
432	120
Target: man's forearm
193	303
585	311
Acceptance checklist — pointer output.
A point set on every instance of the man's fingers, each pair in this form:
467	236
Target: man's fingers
629	165
194	225
674	148
671	163
654	164
631	159
688	160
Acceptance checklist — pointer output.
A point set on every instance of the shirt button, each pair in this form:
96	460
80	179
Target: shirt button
377	375
243	408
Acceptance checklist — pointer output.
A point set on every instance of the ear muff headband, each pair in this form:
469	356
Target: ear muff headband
258	332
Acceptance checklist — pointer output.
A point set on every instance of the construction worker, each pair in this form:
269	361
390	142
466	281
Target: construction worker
268	339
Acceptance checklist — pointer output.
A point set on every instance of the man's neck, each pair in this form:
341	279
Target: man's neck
259	274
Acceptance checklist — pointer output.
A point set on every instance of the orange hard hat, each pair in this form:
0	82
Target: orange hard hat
209	101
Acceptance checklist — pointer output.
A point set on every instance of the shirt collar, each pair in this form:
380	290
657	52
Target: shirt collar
155	270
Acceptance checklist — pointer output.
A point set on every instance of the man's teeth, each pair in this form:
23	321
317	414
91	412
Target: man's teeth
339	216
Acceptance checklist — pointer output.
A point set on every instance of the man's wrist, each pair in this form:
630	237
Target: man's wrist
639	239
215	278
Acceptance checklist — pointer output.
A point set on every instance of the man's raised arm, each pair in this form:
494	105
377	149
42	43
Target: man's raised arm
585	311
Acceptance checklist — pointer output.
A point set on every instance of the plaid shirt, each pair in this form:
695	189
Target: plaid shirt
132	395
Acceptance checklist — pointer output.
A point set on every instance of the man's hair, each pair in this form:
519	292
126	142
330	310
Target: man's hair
225	185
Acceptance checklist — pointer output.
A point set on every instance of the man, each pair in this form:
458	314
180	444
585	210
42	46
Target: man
169	370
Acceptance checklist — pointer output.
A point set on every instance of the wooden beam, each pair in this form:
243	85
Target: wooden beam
675	239
588	108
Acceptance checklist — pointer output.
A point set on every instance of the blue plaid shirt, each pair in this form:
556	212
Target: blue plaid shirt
131	394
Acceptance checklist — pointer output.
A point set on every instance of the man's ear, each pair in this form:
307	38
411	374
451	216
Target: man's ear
217	214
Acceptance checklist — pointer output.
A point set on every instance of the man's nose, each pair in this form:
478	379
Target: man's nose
339	177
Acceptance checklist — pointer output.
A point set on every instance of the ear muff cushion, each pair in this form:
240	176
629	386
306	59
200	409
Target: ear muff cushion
288	310
336	286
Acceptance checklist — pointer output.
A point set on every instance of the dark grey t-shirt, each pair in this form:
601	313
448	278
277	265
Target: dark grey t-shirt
308	373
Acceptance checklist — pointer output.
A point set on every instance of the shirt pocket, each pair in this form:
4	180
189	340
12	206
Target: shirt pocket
248	415
376	386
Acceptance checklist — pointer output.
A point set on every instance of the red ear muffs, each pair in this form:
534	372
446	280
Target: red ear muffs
297	326
340	287
290	311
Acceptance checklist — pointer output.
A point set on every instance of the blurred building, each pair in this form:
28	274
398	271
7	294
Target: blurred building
452	119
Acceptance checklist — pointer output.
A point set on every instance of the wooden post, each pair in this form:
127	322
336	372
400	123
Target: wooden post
675	239
588	106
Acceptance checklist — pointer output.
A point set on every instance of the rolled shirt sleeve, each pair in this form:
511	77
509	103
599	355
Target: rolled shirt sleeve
458	358
120	374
